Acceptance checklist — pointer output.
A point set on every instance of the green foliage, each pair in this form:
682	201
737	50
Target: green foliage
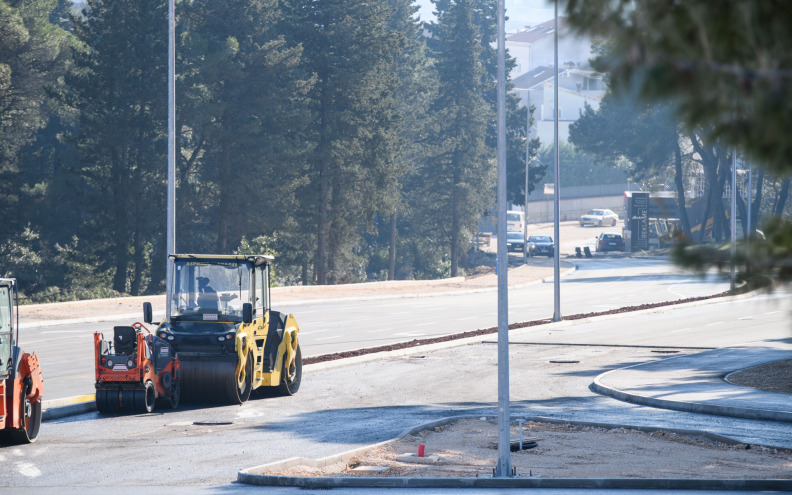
304	128
726	65
580	168
759	262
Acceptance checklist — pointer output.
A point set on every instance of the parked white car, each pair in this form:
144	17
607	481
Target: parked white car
599	218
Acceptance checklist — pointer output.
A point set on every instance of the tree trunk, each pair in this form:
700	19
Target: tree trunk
680	187
323	152
225	198
455	232
392	248
757	201
120	221
782	198
334	244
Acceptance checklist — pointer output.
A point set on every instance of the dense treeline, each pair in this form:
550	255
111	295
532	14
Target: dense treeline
347	138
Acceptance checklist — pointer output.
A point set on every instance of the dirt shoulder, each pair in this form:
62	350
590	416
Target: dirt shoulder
483	280
467	448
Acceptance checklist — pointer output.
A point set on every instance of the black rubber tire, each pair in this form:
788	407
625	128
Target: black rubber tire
31	422
235	393
600	223
291	378
614	223
145	398
175	394
102	404
126	401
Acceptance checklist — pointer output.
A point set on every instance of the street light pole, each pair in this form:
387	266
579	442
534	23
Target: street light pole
171	207
733	219
527	169
504	467
557	189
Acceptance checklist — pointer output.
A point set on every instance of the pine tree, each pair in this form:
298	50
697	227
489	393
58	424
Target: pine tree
460	178
243	117
118	86
350	47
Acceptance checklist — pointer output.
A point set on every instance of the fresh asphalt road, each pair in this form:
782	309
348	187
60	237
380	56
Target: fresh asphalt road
341	408
66	351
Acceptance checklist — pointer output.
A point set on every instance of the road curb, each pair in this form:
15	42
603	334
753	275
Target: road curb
419	349
70	406
695	407
256	475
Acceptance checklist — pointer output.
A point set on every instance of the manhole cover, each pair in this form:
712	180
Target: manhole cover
666	352
564	362
212	423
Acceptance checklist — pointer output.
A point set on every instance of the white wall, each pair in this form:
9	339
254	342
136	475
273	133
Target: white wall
572	209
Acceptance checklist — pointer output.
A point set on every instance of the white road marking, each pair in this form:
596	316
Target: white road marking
680	330
746	318
408	334
715	323
772	312
28	469
426	324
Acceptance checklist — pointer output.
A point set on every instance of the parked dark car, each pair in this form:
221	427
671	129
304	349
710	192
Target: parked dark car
609	241
514	241
540	244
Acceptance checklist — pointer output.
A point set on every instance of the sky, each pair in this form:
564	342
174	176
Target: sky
521	13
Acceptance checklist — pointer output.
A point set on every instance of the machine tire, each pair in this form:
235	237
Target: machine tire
237	394
600	223
31	422
291	378
145	398
101	402
175	394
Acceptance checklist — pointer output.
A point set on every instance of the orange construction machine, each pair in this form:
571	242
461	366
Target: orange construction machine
135	371
21	381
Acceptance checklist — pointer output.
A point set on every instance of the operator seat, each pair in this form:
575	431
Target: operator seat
124	340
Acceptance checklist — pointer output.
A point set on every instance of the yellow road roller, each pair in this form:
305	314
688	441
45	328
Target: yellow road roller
227	337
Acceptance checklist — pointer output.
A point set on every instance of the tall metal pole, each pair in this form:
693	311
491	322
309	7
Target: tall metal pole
171	207
733	219
527	169
557	189
748	229
504	468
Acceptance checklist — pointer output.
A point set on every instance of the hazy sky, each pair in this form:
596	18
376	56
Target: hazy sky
521	13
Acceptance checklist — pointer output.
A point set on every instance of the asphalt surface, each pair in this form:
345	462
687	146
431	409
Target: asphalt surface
66	350
374	398
693	378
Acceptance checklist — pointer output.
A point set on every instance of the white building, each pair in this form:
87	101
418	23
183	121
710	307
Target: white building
533	78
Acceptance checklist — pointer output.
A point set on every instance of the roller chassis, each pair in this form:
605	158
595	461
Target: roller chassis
230	342
21	378
135	372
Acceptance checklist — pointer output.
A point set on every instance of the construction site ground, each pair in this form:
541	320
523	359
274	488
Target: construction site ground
467	448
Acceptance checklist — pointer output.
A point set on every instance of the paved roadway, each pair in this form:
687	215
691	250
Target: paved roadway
341	408
597	285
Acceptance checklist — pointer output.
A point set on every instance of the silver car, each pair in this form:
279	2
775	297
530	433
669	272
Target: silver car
599	217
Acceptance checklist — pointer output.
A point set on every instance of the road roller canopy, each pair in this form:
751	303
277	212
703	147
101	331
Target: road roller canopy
213	288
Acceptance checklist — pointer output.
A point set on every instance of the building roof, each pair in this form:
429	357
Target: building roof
534	77
537	32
